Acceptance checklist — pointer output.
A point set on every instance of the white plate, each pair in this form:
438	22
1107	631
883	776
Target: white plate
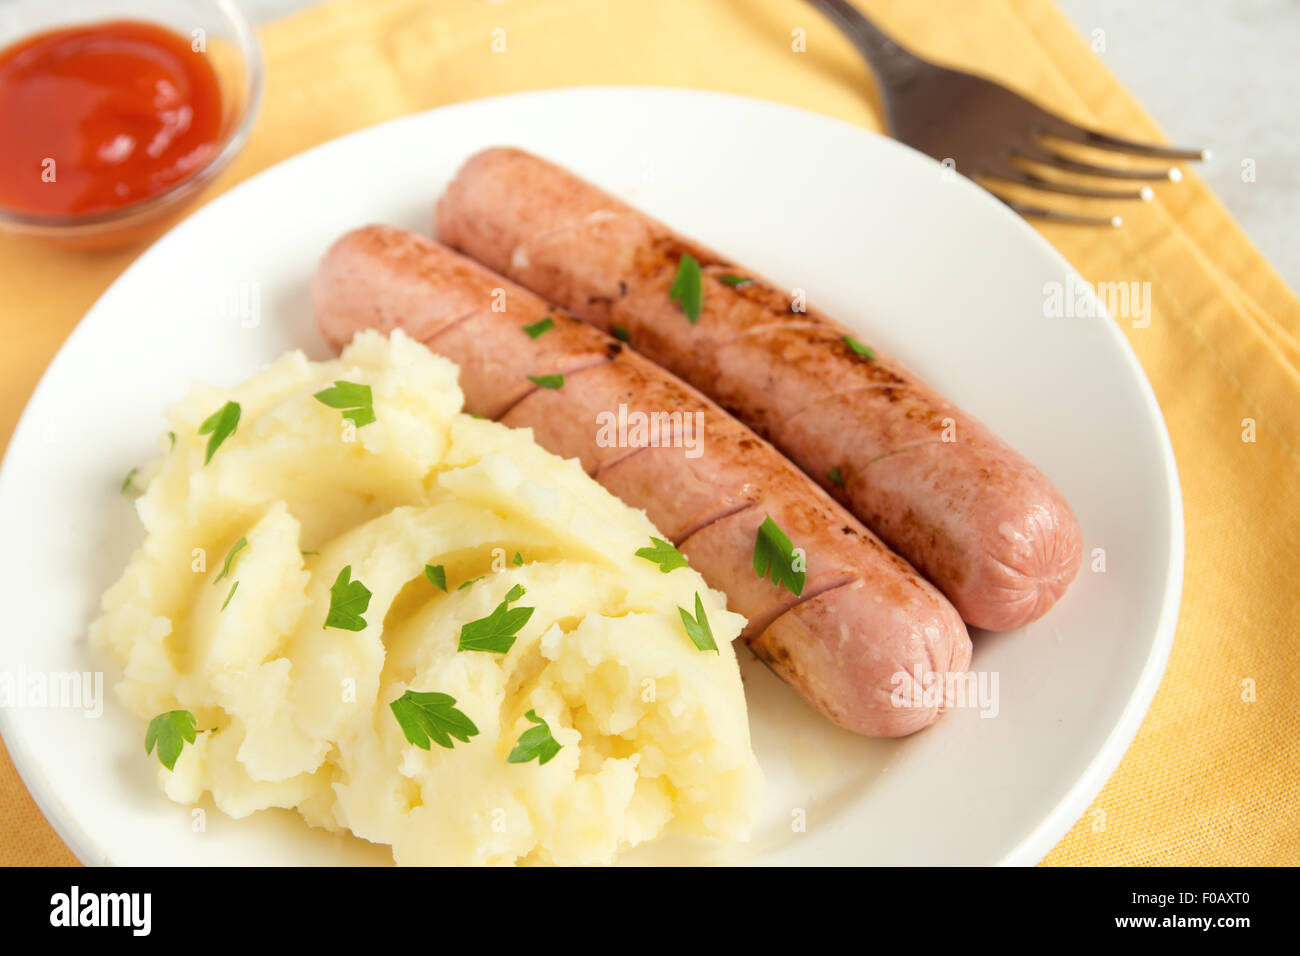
927	267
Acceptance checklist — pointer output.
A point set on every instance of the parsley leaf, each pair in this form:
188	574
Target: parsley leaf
835	477
688	288
734	281
540	327
697	628
170	731
620	333
547	381
230	595
465	584
437	575
348	601
425	716
519	560
171	436
354	399
774	552
126	482
230	558
535	742
859	349
663	554
221	424
496	632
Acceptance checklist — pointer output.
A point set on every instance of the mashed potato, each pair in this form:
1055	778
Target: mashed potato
652	730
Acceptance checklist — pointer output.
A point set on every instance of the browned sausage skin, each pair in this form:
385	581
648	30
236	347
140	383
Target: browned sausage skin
865	622
974	516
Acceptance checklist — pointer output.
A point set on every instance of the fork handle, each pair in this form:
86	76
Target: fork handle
888	60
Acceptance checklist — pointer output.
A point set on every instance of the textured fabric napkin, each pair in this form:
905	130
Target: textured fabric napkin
1212	776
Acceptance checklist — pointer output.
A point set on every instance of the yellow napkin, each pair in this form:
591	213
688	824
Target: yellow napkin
1212	776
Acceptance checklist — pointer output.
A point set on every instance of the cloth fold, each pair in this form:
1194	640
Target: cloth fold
1212	775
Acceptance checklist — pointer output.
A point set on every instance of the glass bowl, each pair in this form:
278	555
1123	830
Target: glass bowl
237	61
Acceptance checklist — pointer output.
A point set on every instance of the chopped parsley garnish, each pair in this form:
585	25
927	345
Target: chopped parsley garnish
859	349
697	628
348	601
540	327
663	554
688	288
437	575
425	716
496	633
230	558
225	569
126	482
355	400
734	281
836	477
221	424
465	584
534	742
547	381
519	560
171	436
170	731
774	554
620	333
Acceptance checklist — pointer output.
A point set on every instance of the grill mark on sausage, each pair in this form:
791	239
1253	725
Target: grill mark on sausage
428	341
599	362
776	323
632	451
523	250
778	658
758	626
701	525
568	226
904	449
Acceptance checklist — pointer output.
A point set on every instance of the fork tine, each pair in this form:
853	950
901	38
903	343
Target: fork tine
1053	215
1058	160
1063	129
1023	177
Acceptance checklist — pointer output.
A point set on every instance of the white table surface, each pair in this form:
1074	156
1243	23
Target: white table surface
1216	73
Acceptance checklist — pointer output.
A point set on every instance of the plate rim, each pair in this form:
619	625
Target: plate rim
1054	825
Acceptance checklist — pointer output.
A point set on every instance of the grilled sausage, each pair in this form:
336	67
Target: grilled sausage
865	625
975	517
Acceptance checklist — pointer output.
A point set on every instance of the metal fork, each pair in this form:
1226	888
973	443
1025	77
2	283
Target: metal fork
988	131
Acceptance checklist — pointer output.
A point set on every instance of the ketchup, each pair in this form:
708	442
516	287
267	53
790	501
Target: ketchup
97	116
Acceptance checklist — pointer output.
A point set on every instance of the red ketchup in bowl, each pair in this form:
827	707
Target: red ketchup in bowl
101	115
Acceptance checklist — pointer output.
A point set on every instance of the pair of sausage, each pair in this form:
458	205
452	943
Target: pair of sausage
866	623
938	487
